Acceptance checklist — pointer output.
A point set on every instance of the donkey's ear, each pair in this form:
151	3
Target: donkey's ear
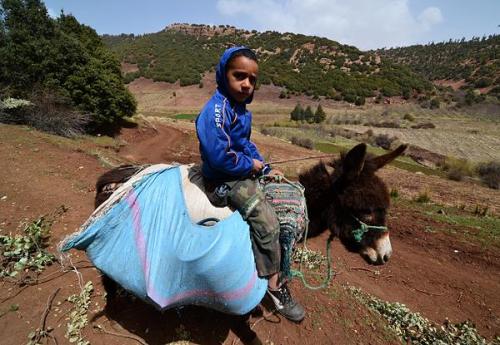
354	162
383	160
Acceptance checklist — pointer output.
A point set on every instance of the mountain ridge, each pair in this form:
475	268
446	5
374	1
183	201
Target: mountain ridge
300	64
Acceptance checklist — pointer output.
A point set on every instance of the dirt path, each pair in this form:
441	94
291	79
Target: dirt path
436	274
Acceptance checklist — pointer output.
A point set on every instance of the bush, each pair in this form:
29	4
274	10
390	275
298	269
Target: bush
359	101
394	193
64	56
457	169
434	103
409	117
384	141
48	112
303	142
386	124
423	197
490	174
425	125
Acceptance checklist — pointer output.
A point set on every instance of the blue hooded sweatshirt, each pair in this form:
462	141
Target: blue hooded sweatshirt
223	128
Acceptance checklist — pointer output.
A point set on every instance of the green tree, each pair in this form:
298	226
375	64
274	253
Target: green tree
63	56
309	115
360	100
434	103
27	31
319	115
297	113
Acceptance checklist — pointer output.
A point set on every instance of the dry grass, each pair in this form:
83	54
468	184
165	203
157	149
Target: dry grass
458	133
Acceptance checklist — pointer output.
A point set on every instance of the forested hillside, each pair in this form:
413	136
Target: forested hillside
476	61
300	64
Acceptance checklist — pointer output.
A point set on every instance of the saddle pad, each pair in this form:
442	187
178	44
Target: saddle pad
147	243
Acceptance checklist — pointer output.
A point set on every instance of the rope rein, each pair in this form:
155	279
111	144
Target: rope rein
299	159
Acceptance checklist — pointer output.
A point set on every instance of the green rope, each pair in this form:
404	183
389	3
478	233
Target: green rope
330	273
364	228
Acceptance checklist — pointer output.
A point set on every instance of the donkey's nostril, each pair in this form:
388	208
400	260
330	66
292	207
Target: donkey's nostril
386	258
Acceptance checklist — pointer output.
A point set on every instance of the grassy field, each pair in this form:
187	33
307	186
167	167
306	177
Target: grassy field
466	134
476	224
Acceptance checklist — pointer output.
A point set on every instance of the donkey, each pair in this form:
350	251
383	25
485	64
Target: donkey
344	196
352	202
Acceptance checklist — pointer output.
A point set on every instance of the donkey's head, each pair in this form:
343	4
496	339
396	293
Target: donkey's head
352	201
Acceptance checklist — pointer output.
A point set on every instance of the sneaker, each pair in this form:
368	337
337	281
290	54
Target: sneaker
286	305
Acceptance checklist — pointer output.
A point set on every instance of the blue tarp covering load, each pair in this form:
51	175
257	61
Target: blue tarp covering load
146	242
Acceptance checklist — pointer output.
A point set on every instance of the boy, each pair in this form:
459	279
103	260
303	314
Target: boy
231	162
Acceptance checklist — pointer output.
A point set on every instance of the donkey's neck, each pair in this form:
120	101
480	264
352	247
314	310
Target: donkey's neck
318	193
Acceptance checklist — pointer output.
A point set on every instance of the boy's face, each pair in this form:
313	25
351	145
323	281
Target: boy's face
241	78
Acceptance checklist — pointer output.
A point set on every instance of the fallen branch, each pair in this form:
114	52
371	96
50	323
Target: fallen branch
41	332
105	331
364	269
41	281
422	291
47	309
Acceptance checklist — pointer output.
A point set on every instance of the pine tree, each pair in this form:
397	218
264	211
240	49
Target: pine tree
309	115
62	56
28	30
297	113
319	115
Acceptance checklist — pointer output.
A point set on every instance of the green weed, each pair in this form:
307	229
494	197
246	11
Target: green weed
26	252
415	329
423	198
78	317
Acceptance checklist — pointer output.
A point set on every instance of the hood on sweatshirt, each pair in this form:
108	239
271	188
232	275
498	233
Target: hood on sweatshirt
220	74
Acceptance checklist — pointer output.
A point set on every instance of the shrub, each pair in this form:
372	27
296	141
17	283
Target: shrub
409	117
423	197
457	169
265	131
23	253
303	142
394	193
48	112
384	141
490	174
434	104
61	55
387	124
359	101
425	125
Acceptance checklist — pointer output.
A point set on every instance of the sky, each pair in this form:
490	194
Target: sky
366	24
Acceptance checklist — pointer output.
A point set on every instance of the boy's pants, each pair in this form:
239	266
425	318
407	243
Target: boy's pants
249	200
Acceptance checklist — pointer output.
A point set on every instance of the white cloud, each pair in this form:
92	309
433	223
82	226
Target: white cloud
364	23
429	17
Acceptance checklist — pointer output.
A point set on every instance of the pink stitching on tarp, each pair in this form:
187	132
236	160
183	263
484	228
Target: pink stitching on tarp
138	235
152	293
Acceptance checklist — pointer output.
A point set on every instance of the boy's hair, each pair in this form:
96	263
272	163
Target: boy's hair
248	53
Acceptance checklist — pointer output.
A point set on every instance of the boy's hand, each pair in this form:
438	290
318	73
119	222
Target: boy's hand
257	166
